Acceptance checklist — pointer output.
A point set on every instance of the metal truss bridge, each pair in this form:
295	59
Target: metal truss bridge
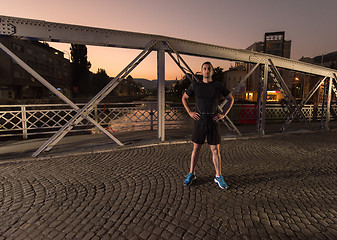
56	32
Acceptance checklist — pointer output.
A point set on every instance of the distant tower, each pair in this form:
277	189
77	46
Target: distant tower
275	44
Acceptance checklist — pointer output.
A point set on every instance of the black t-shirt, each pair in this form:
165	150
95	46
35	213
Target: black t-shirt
207	95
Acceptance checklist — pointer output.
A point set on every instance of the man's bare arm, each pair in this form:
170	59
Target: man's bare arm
194	115
226	108
229	104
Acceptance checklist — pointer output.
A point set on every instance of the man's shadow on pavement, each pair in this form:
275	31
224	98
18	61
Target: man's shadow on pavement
203	180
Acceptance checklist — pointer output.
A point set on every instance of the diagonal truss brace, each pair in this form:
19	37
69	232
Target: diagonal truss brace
243	80
334	85
303	102
95	100
328	107
293	103
55	91
334	89
187	70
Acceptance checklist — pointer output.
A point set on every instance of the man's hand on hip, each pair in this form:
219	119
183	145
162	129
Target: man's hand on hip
218	116
194	115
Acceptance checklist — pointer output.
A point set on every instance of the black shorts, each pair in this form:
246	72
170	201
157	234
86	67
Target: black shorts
206	127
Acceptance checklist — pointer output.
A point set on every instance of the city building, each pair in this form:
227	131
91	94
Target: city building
128	87
17	83
274	43
304	83
233	76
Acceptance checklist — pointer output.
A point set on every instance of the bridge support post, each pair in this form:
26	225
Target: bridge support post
262	100
323	112
161	91
328	105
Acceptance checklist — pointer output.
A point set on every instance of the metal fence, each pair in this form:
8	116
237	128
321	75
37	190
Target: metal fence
247	113
25	120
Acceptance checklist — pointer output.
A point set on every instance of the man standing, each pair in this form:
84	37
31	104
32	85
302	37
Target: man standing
206	117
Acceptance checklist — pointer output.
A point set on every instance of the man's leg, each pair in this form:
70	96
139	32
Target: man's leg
216	158
194	159
217	165
195	156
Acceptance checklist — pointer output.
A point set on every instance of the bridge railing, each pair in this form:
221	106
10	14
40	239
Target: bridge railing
247	113
28	120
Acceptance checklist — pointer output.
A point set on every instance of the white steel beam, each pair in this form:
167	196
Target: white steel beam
161	92
327	119
323	112
66	33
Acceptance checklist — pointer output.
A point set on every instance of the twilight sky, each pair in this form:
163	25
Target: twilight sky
310	24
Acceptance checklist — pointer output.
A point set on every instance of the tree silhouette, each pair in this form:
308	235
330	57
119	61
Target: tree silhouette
80	70
218	74
98	81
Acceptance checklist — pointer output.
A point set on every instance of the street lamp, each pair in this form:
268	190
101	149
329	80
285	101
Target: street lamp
297	80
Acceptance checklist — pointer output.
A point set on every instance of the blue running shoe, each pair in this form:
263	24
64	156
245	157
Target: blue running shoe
221	182
189	179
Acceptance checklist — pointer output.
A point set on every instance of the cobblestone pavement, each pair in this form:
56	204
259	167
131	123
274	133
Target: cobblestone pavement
281	187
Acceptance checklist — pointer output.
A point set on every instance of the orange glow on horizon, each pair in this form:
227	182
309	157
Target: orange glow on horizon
114	60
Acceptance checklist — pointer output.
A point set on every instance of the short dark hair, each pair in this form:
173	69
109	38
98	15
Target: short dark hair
207	63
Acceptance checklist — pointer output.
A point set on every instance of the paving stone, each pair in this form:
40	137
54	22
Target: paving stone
188	236
145	234
201	233
71	235
88	236
274	236
158	230
166	234
320	236
95	238
289	233
333	231
179	232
